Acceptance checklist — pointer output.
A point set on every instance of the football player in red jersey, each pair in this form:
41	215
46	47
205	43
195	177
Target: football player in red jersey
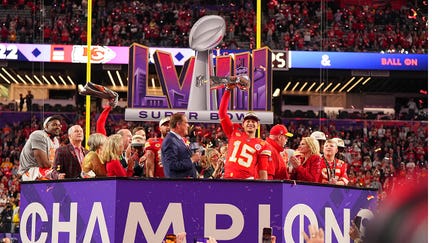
277	169
246	153
153	146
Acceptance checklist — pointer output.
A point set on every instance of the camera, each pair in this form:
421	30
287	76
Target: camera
139	148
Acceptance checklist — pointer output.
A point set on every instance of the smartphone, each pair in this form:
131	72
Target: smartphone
170	238
357	221
266	235
201	240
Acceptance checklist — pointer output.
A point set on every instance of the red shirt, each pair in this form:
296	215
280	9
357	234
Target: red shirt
309	170
277	169
154	145
115	169
245	155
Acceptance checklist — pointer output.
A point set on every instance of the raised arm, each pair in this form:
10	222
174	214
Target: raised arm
100	123
226	123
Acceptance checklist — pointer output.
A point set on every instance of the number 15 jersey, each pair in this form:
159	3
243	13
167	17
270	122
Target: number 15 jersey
245	156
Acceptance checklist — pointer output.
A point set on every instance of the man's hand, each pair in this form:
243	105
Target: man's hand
354	231
316	235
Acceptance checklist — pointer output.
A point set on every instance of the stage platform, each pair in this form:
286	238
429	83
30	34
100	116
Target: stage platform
145	210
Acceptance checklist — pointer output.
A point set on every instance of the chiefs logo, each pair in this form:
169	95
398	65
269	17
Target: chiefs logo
258	146
157	145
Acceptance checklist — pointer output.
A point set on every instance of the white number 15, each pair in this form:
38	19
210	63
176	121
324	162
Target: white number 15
245	157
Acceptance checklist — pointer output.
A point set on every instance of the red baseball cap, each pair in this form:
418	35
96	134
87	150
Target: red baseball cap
280	129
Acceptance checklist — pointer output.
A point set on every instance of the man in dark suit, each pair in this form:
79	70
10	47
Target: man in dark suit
68	158
176	155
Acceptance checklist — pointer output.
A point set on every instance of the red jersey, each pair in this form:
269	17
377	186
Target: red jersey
245	155
277	169
100	123
154	145
336	168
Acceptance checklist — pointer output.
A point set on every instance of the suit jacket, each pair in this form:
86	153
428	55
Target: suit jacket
67	162
176	158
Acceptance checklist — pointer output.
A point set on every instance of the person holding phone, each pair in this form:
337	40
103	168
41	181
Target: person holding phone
267	235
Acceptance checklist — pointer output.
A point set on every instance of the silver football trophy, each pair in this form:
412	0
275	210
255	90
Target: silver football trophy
99	91
241	82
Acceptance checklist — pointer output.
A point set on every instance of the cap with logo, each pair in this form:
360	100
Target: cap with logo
251	116
318	135
164	120
280	129
339	142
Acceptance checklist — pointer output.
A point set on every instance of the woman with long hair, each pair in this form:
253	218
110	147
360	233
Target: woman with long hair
213	164
111	152
306	161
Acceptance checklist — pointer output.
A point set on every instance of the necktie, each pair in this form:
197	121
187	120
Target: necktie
79	154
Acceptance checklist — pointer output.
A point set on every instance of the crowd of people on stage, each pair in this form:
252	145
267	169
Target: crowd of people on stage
286	25
378	155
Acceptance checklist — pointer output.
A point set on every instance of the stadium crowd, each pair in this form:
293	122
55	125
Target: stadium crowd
379	153
286	25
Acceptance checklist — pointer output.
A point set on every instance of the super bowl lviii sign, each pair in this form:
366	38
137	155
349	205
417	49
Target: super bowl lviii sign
190	90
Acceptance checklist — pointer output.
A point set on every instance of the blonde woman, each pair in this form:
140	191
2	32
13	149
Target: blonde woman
111	152
307	165
92	165
213	164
